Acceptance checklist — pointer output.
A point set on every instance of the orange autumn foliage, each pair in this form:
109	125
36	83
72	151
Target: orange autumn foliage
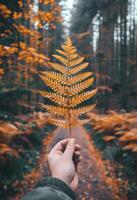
30	55
7	50
117	126
27	52
1	72
9	131
6	150
40	119
5	11
25	31
46	2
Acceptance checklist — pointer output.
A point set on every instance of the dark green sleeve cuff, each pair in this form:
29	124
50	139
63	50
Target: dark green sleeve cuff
56	184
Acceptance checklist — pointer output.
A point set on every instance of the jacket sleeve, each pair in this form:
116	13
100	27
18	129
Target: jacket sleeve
51	189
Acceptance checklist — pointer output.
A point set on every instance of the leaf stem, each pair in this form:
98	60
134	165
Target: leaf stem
69	117
68	107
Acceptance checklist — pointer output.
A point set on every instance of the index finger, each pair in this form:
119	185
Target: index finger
60	146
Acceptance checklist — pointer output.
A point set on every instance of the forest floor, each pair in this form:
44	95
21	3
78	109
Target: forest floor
98	179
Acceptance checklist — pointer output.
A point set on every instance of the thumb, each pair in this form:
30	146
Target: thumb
70	148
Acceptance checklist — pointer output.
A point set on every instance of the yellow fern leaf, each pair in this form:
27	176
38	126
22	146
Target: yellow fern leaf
61	59
56	110
60	111
68	55
58	67
65	124
73	56
54	85
68	42
74	101
80	77
68	49
78	87
78	68
68	87
58	122
75	62
82	110
63	53
57	98
54	76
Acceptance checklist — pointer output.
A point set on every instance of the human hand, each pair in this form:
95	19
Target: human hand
63	161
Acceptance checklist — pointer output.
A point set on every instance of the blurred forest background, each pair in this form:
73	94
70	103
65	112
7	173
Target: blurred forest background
105	33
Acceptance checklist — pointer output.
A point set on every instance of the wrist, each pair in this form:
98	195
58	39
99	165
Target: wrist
57	184
59	176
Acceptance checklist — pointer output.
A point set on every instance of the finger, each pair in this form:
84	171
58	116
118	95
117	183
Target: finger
60	146
77	153
77	147
76	161
70	149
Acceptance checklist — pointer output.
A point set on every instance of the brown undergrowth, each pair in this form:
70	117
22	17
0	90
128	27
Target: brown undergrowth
30	179
108	172
120	127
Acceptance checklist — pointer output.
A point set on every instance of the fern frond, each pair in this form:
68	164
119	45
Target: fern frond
58	67
60	111
78	87
82	110
54	85
56	110
68	55
63	53
75	62
73	56
58	122
71	80
56	98
64	124
78	68
82	97
68	42
77	122
80	77
69	50
68	87
61	59
54	76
